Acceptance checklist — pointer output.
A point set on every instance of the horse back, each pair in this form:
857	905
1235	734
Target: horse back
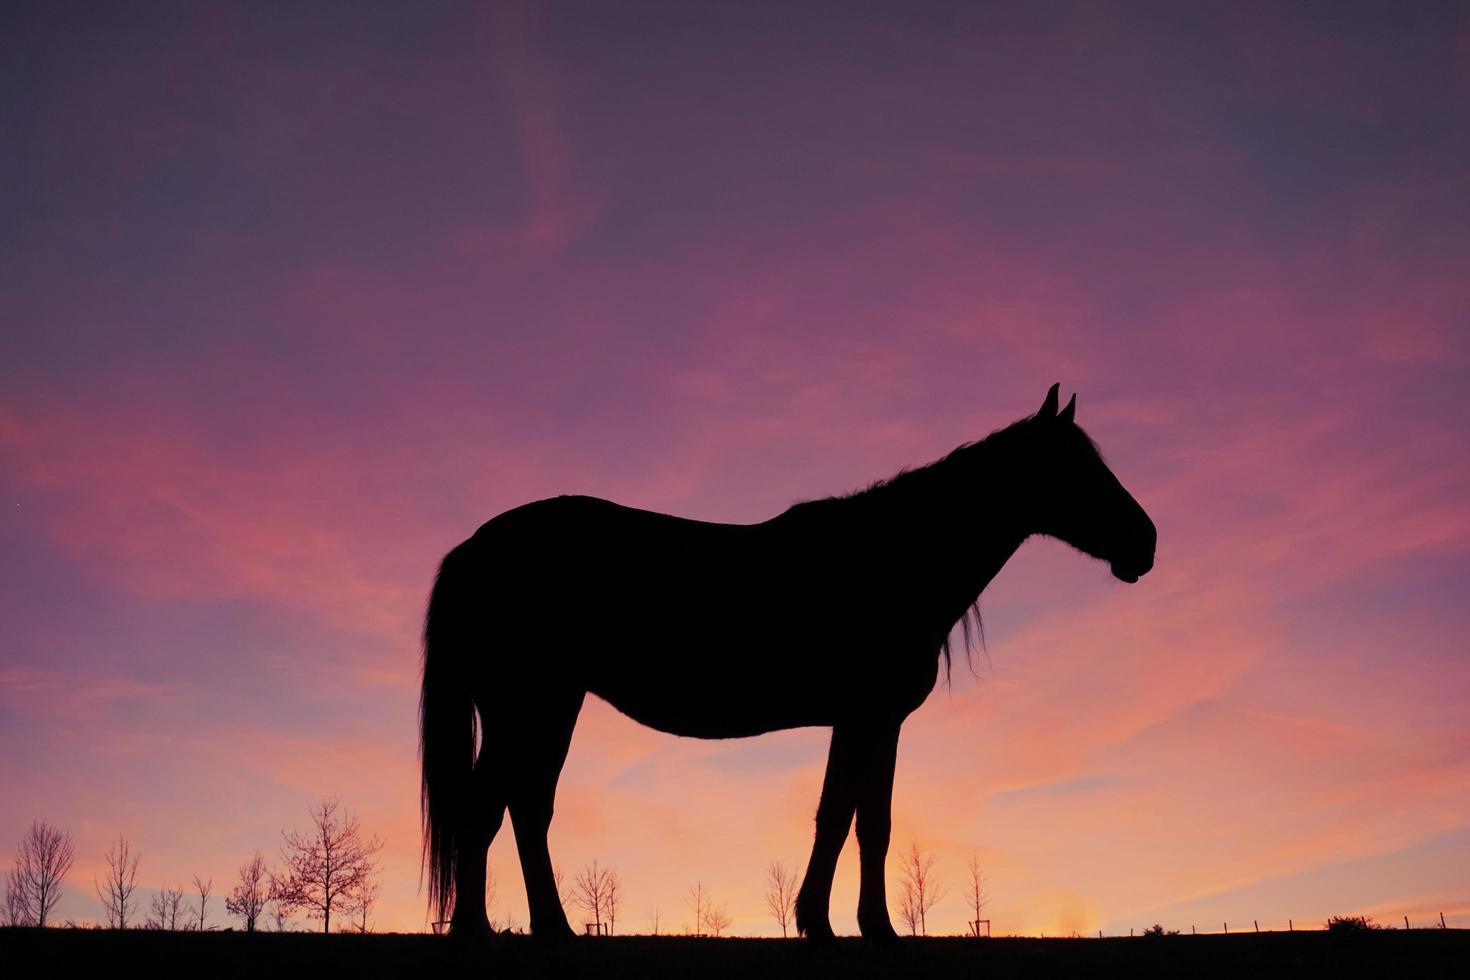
690	626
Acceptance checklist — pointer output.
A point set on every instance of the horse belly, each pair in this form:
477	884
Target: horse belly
710	687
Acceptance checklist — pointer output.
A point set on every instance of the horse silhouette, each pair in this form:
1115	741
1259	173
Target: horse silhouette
835	613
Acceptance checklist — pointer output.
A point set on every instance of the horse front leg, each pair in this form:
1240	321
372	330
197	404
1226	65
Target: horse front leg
874	827
847	770
834	817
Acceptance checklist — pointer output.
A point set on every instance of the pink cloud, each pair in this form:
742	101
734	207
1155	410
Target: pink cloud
275	360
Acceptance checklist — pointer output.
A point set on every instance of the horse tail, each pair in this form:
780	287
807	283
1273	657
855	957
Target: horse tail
447	726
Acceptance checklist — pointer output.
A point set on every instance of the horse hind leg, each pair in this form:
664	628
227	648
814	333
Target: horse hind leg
545	737
480	820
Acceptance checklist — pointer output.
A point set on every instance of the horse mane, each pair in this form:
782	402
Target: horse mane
913	479
910	481
909	477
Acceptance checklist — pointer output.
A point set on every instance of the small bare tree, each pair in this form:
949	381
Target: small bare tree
709	920
202	887
653	920
122	880
279	904
918	893
328	867
248	898
33	886
977	894
612	898
565	894
716	921
168	910
596	892
491	888
908	909
781	894
365	899
16	911
698	902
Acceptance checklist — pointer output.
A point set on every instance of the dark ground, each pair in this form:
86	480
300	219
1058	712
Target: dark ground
69	953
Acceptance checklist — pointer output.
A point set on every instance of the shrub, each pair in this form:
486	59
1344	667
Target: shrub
1351	923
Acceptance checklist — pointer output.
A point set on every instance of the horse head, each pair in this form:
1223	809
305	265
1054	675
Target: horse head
1076	498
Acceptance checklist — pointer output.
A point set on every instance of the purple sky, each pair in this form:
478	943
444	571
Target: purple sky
296	296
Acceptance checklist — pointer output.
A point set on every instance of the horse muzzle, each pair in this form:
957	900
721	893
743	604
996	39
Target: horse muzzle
1132	571
1136	556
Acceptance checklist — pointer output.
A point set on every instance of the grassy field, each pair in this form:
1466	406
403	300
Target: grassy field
77	953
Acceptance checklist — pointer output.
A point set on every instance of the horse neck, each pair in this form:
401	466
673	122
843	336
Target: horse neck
959	521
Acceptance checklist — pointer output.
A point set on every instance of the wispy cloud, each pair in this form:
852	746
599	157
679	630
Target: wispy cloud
274	346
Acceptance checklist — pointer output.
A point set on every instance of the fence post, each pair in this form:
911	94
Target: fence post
1099	934
1227	928
1191	930
1406	923
1441	920
1257	924
1289	926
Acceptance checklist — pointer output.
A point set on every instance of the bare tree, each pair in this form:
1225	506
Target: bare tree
596	892
919	893
709	919
17	911
327	868
612	898
716	921
365	899
248	898
279	904
698	902
168	910
781	894
490	895
33	886
202	887
653	920
122	881
564	894
977	894
908	908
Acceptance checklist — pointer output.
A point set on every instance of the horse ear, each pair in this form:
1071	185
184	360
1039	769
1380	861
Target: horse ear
1049	407
1071	410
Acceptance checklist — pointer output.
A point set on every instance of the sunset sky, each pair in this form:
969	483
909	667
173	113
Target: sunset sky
295	296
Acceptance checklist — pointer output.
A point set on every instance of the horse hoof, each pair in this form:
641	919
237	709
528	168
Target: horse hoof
554	934
470	930
881	935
